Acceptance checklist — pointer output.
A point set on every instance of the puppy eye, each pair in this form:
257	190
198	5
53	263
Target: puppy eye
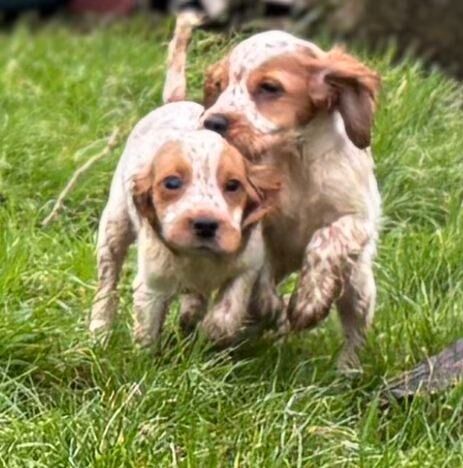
270	88
232	185
172	183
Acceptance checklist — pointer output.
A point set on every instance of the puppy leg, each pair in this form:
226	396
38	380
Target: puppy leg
115	234
226	320
331	253
266	308
193	307
150	310
356	307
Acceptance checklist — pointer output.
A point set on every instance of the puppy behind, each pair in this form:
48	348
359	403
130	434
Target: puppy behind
309	113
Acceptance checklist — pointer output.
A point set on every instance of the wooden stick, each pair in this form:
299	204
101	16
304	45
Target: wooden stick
174	90
112	142
175	85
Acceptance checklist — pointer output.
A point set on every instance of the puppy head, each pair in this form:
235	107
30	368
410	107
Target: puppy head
200	195
273	84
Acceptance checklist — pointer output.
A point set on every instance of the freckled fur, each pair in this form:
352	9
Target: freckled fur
168	261
317	137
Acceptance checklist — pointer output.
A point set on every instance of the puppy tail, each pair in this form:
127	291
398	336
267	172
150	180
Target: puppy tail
175	84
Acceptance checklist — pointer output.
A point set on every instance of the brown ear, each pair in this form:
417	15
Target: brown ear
142	193
215	81
344	83
263	188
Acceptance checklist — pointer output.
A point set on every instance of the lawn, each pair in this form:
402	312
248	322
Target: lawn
66	401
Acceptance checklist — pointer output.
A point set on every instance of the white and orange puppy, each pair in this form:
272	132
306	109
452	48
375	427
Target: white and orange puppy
308	113
193	203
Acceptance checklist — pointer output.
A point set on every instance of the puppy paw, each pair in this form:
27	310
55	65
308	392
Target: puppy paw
282	325
100	331
267	311
192	309
104	312
98	326
187	326
348	363
307	308
144	338
220	330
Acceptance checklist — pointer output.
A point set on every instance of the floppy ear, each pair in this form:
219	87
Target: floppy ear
215	81
142	194
340	81
262	188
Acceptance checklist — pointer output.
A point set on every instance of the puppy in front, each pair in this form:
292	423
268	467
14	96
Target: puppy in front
309	113
194	205
200	203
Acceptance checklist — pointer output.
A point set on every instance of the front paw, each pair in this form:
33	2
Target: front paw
348	362
221	329
282	325
307	308
103	312
99	326
268	309
192	309
144	338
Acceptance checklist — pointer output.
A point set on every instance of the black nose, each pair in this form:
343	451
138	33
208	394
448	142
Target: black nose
205	228
217	123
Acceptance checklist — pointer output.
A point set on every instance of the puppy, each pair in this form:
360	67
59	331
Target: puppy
193	203
308	113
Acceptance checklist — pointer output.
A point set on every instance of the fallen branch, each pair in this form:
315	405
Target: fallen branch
111	144
174	90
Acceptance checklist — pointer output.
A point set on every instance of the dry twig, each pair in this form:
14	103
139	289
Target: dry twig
112	142
174	90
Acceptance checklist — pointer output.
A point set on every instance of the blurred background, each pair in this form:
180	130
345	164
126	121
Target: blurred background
429	29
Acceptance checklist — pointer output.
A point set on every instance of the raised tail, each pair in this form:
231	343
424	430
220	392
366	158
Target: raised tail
175	84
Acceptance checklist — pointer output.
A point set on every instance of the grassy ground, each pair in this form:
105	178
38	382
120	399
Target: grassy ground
67	402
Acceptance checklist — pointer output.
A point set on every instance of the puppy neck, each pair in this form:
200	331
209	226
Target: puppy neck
325	133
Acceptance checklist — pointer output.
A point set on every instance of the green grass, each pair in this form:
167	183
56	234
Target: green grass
65	401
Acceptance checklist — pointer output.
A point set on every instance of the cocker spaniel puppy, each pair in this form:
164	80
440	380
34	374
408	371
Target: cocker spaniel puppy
193	203
308	113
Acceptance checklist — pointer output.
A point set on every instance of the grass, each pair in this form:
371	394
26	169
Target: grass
65	401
